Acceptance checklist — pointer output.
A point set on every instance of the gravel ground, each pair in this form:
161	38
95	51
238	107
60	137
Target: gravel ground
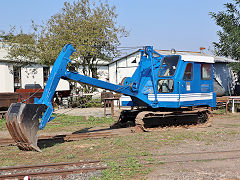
217	168
202	166
80	176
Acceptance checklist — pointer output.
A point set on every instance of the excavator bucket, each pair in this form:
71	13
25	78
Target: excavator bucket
23	124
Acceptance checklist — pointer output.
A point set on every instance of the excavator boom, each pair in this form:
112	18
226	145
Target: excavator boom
24	120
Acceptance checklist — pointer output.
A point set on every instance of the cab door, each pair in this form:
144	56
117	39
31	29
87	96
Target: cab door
187	86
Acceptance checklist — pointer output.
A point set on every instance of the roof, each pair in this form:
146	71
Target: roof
124	56
200	55
188	56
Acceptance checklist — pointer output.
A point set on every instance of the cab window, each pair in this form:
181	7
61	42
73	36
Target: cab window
188	74
165	85
206	72
168	66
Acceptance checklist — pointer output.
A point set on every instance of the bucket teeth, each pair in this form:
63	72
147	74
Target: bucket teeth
23	123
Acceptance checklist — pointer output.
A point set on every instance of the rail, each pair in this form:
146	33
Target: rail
53	170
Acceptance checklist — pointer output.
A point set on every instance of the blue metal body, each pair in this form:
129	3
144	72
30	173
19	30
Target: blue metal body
144	86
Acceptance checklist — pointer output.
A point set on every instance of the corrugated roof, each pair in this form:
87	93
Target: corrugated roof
218	59
124	57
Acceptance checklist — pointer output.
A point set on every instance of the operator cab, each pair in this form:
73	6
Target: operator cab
184	81
171	81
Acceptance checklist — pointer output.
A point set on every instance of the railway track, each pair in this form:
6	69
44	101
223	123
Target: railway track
77	169
51	170
61	138
198	156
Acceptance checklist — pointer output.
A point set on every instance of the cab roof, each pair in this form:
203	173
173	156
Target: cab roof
196	58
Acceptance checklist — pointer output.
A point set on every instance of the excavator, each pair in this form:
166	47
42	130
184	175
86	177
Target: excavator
162	86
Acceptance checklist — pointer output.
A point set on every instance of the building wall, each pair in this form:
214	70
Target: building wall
32	75
112	69
102	72
63	85
6	78
124	67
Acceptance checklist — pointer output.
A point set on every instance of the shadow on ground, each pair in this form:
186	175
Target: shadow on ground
59	139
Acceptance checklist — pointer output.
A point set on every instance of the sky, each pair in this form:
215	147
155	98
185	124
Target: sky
164	24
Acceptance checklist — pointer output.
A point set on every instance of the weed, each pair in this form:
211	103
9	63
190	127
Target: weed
145	153
150	159
58	150
160	163
71	156
127	169
219	111
2	124
203	160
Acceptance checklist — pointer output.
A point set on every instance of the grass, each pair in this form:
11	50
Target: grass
74	123
126	169
219	111
129	156
2	124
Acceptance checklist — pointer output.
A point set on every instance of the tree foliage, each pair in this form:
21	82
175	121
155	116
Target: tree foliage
90	27
229	35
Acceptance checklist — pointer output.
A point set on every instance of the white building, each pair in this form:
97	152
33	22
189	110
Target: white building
13	77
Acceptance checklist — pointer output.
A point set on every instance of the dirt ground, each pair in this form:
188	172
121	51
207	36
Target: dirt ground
194	153
190	160
97	112
203	160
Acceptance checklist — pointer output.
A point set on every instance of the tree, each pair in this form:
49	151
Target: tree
229	35
90	27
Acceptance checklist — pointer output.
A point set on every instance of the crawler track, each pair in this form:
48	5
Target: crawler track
155	121
52	170
62	138
145	120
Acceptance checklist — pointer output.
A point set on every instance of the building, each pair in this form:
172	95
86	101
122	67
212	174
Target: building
13	77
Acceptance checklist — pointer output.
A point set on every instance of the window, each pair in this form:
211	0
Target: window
45	75
168	66
188	74
165	85
134	61
206	72
94	73
17	77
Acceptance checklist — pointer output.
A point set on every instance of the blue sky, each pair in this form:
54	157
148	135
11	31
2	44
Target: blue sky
179	24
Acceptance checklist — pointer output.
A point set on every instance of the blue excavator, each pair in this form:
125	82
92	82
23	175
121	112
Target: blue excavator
162	86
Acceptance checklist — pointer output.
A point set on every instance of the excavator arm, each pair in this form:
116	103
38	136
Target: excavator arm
23	119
